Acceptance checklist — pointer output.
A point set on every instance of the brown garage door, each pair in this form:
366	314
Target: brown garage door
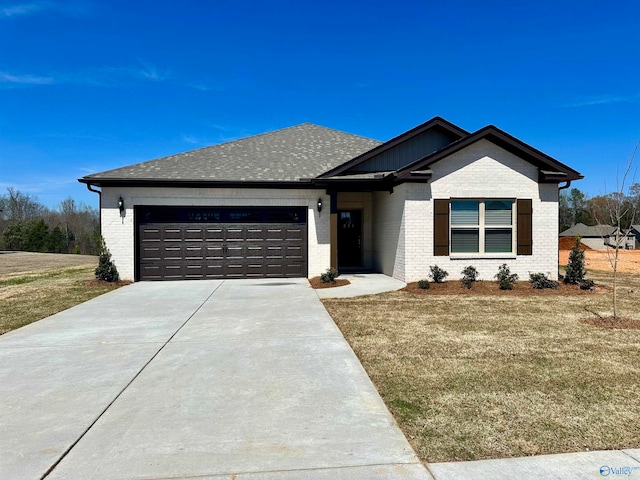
207	243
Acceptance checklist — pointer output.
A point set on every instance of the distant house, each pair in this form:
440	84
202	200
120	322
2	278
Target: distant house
600	237
296	201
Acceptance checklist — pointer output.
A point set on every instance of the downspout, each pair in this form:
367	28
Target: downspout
89	187
566	185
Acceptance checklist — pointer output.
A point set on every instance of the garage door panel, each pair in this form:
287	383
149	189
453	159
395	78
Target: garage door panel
255	234
295	234
168	251
254	252
294	252
234	234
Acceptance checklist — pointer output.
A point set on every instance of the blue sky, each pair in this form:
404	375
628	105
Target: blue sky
87	86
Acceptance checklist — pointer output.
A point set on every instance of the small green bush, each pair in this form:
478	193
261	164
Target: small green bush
438	274
540	281
329	276
575	266
587	284
505	278
469	276
424	284
106	269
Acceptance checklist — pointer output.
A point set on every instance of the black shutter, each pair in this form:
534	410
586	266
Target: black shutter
441	228
524	227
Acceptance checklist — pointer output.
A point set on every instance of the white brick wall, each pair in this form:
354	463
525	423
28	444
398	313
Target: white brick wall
119	232
389	232
403	231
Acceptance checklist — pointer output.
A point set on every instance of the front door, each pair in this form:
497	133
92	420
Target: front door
349	239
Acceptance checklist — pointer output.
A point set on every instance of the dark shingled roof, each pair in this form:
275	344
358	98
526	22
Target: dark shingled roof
290	154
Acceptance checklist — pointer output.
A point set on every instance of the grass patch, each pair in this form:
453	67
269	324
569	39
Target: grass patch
26	298
485	375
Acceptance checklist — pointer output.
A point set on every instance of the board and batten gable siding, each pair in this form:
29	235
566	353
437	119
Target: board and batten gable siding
482	171
407	152
119	232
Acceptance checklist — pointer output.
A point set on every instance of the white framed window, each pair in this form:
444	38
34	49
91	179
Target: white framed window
482	226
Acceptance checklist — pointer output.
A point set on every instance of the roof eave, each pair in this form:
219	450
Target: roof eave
161	183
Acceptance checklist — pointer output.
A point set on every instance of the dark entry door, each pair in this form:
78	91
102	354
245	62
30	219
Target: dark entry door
349	238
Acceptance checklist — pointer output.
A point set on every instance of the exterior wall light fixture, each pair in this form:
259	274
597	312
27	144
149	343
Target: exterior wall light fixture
121	205
319	205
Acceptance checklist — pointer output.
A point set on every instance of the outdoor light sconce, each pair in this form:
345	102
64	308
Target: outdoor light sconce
121	205
319	205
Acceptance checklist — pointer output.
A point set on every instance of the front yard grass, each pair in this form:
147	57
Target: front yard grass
475	376
30	296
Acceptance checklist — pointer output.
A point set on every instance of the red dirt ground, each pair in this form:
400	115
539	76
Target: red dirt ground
567	243
628	260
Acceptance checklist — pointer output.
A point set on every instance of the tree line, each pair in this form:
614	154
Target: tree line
576	207
28	225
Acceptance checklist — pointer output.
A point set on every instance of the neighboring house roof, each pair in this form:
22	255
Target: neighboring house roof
588	231
286	155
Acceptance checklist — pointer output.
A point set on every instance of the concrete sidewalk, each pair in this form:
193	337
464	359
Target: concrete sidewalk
362	284
208	379
567	466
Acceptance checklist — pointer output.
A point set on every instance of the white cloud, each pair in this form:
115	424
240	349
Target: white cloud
18	79
22	9
70	8
604	100
100	77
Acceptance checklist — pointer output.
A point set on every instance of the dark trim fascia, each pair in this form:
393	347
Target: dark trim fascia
433	123
342	184
503	140
152	183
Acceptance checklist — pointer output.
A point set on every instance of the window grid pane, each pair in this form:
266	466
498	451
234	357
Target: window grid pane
498	212
498	240
465	240
465	212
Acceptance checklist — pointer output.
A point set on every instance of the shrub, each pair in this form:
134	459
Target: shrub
329	276
575	266
106	269
438	274
424	284
540	281
587	284
505	278
469	275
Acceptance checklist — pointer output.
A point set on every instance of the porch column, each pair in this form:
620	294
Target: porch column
333	227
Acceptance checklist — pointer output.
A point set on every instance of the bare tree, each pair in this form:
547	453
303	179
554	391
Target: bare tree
19	207
618	209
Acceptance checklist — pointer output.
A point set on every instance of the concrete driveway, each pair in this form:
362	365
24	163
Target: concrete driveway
209	379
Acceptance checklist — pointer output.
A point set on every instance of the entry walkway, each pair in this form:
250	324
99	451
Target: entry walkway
209	379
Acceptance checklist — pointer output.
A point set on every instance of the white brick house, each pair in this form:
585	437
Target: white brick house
296	201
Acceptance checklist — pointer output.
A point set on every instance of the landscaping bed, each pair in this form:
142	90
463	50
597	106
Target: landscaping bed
484	287
316	282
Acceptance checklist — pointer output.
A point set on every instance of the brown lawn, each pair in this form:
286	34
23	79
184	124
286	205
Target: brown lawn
36	285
